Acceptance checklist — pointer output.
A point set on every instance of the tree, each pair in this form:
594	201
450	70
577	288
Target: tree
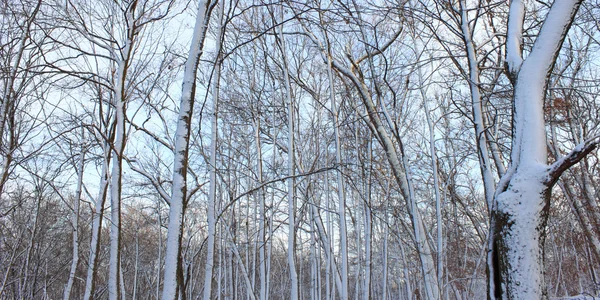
522	198
20	54
173	279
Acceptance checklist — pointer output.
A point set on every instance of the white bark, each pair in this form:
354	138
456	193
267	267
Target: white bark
436	187
117	163
523	195
182	137
385	254
483	152
313	258
212	221
368	223
75	224
514	39
262	263
97	215
289	102
340	183
478	110
290	186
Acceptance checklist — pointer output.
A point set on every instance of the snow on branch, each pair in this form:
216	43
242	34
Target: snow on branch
514	39
567	161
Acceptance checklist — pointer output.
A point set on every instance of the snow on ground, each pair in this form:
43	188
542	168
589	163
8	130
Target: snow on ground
578	297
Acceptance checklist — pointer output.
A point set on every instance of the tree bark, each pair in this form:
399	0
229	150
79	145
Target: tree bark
523	194
173	268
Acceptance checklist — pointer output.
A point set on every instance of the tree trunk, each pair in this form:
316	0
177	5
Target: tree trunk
212	221
75	224
340	183
518	247
173	271
523	194
116	174
97	216
289	102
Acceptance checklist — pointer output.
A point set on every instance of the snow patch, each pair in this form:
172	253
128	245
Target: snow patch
523	203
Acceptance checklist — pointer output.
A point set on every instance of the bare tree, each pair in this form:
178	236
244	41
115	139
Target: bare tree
173	278
523	195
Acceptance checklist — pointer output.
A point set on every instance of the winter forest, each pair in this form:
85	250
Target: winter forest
313	149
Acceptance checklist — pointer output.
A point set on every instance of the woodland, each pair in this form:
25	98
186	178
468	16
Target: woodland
312	149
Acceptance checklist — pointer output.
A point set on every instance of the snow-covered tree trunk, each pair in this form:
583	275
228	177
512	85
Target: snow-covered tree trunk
117	163
479	124
173	272
212	188
523	194
97	216
75	223
483	152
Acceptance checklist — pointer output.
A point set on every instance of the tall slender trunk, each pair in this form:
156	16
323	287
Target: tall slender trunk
136	264
340	184
75	224
212	221
479	125
173	266
483	153
436	185
289	102
368	222
114	292
291	194
385	252
313	258
326	244
97	216
262	263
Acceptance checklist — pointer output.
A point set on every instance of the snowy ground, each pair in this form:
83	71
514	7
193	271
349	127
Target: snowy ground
579	297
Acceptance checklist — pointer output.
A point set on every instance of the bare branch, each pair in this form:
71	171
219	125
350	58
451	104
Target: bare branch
264	184
567	161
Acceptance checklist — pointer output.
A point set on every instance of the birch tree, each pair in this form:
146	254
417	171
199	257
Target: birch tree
212	219
80	165
173	278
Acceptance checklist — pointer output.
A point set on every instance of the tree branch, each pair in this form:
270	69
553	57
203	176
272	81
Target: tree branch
567	161
264	184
